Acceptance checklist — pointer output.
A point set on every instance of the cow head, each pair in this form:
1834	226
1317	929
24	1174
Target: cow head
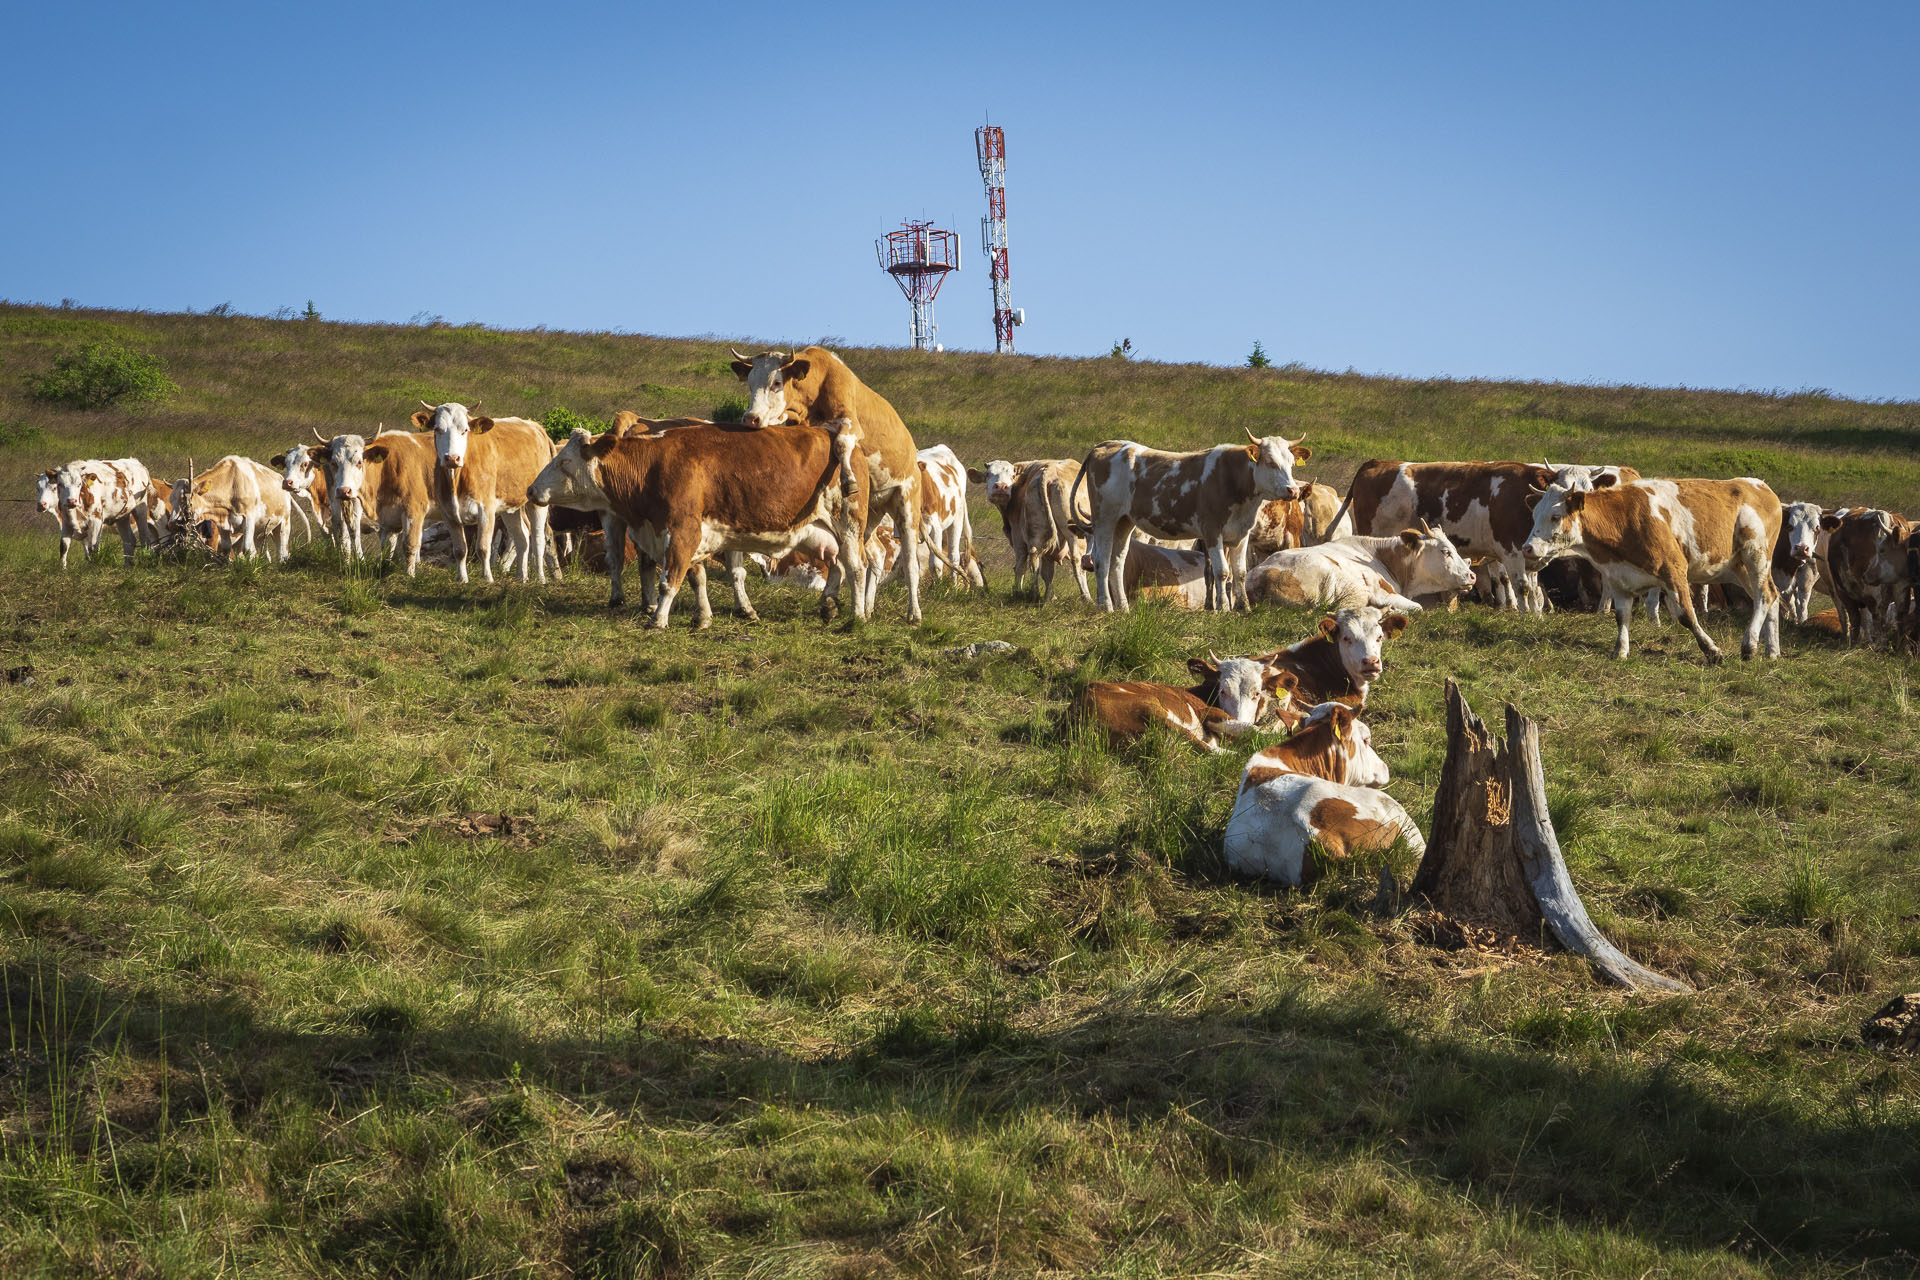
773	395
1247	689
1556	525
344	463
1273	458
572	477
452	425
1435	566
297	471
1349	751
46	492
1575	475
70	486
1800	531
997	476
1358	636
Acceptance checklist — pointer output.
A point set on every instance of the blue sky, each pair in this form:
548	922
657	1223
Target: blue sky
1709	195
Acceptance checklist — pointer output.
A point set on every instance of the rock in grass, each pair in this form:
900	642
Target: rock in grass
1897	1026
981	648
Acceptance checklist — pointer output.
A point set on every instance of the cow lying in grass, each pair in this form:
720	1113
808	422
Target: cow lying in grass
1319	787
1355	571
1340	660
1229	702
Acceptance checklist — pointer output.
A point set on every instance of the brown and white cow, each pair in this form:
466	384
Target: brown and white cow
159	510
484	466
1212	495
306	472
90	494
1318	788
1358	570
1482	506
705	490
1306	521
944	521
391	476
1035	502
1668	534
814	387
242	500
1866	568
1339	661
1797	556
1237	696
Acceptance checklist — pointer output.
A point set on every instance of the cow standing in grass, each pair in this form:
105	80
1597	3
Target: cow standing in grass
484	466
814	387
1668	535
90	494
239	502
1212	495
1866	568
1035	502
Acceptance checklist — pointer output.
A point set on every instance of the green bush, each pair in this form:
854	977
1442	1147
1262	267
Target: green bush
103	375
12	433
560	422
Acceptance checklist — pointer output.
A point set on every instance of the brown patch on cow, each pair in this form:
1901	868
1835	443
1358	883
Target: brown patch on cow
820	389
1342	832
1619	524
1125	710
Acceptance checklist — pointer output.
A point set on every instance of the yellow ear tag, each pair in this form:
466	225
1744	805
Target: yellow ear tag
1336	730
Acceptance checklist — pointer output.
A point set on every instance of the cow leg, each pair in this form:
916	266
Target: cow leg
1758	581
125	525
147	536
614	531
1101	546
416	525
678	562
66	541
737	570
1218	596
536	518
1681	596
1122	547
1043	575
485	536
1622	605
283	545
704	609
906	518
853	561
1237	563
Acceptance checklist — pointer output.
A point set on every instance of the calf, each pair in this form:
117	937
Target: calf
1354	571
1305	521
484	468
1035	501
1796	557
1668	534
1126	710
1340	660
1213	495
701	490
1318	788
1866	567
242	500
90	494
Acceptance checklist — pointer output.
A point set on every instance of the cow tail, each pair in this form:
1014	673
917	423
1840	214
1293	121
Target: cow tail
1327	535
1073	497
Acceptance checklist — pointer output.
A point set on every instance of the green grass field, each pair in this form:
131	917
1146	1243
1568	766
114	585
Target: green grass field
811	950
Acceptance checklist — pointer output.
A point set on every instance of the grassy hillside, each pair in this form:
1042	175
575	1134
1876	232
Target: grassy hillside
812	950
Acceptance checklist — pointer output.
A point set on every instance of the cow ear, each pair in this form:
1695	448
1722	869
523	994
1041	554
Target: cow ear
1605	481
1202	668
1576	500
480	425
1282	680
1829	522
1342	720
795	369
1301	453
422	419
1327	624
742	368
1393	624
375	452
277	460
976	476
602	444
1410	538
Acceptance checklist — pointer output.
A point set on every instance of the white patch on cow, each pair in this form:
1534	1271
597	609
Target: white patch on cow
451	428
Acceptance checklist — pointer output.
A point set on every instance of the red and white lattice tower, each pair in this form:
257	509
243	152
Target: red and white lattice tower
990	145
918	258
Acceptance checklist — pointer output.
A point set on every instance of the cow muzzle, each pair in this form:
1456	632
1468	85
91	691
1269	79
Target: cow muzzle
1371	667
347	494
288	486
1290	494
752	420
71	504
451	463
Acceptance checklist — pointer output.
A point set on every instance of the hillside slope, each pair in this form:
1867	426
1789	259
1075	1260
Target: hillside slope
252	385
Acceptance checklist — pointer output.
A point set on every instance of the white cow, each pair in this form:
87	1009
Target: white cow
242	499
1318	788
91	494
1354	571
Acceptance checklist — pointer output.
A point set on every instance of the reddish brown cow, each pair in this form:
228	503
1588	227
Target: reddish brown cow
1866	568
1340	660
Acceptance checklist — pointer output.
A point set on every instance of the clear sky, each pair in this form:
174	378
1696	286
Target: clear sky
1670	193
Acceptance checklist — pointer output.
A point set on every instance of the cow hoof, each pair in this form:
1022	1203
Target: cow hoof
750	616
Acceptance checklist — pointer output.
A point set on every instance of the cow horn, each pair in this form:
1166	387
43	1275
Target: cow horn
1213	657
475	406
428	407
738	356
1291	443
317	436
1250	436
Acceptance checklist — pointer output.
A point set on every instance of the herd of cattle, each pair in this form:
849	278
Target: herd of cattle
821	483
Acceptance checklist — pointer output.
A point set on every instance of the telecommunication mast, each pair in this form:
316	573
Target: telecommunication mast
918	258
990	145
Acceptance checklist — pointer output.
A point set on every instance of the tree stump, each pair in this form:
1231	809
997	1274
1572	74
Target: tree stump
1493	857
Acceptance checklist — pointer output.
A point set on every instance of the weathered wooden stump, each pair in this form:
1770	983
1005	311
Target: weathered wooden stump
1493	857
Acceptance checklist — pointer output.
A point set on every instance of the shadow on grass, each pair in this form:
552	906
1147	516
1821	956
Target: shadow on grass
1639	1150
